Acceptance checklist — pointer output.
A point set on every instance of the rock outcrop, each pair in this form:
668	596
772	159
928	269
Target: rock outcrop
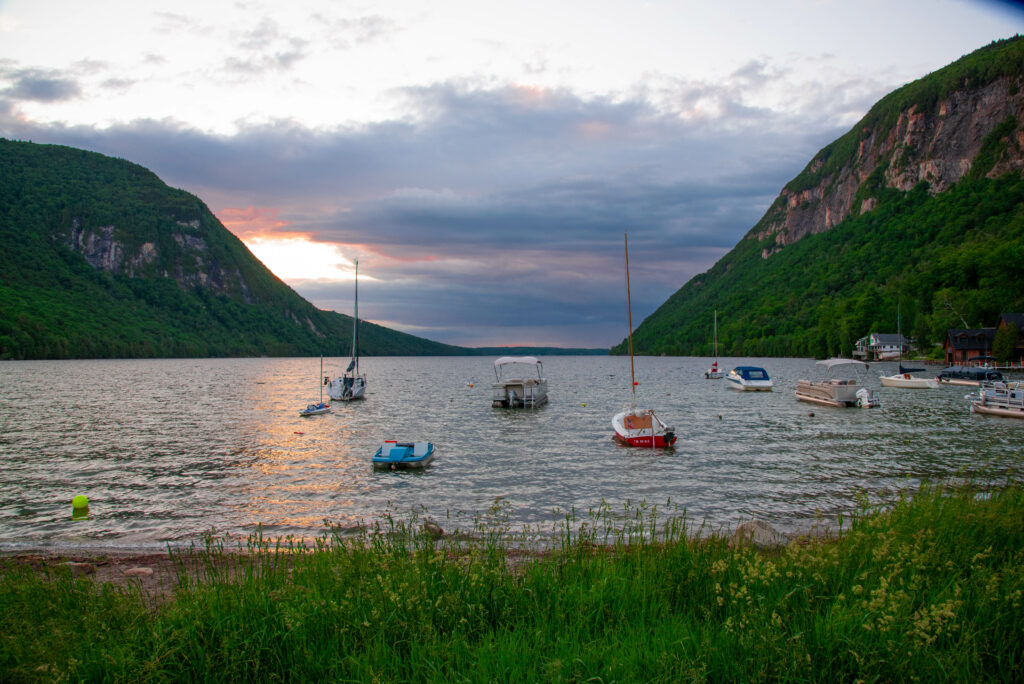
937	144
185	257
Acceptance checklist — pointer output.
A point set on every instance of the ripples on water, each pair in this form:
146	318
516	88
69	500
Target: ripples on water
169	449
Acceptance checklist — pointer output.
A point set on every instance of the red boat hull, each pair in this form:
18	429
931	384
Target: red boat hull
659	441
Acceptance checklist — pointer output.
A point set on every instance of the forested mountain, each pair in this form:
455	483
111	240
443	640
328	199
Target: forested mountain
922	203
100	259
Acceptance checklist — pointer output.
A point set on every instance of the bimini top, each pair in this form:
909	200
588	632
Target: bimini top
751	372
832	363
532	360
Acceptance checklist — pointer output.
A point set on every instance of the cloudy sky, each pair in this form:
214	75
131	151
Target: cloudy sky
480	159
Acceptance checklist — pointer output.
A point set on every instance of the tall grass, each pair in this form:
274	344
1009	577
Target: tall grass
930	588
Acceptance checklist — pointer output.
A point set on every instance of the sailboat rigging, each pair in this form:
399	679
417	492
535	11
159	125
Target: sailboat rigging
904	378
714	373
317	409
638	427
351	385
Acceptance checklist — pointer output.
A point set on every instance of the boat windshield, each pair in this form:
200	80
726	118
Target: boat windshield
753	373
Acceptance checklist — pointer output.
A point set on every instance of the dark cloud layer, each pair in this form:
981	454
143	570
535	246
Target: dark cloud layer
37	85
491	215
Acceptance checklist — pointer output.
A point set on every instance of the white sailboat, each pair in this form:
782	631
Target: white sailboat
714	373
905	378
350	386
639	427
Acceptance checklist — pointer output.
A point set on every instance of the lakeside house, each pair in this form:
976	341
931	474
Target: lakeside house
881	347
963	343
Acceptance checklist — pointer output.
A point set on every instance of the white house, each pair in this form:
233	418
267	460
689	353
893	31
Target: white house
881	346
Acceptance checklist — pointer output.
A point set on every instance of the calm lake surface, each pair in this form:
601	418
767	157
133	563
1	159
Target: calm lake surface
168	450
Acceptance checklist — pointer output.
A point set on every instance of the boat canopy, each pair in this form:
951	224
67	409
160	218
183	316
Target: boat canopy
752	372
517	363
505	360
832	363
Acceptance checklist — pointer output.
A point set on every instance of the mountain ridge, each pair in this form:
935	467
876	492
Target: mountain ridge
99	259
898	207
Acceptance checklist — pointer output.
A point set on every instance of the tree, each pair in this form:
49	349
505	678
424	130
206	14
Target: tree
1005	343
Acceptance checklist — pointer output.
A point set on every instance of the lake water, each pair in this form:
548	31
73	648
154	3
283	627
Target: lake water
168	450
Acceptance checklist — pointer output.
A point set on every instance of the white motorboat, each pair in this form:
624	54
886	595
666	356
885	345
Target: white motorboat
832	389
351	385
749	379
1000	399
518	383
633	426
715	373
905	378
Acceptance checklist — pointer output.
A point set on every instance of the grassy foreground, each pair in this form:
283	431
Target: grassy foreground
932	589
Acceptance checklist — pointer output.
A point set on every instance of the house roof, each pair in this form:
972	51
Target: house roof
888	339
970	338
1016	319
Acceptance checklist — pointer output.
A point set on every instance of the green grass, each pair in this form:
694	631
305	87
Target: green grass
930	587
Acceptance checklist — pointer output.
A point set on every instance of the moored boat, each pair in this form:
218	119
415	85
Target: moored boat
350	386
749	379
516	385
638	427
1000	399
831	390
904	377
909	381
969	376
393	454
714	373
641	428
320	407
315	409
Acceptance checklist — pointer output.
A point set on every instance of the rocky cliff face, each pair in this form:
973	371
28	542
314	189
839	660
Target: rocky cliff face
189	262
938	145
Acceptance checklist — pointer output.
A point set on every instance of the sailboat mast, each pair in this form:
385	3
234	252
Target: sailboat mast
716	336
318	379
629	313
355	324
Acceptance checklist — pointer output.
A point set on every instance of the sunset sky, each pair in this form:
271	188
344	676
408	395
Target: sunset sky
480	159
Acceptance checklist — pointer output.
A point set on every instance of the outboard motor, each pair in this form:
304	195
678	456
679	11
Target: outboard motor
865	399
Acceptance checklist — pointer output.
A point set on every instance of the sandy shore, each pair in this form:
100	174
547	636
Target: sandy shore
155	574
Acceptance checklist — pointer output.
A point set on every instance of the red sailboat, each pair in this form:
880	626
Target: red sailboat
639	427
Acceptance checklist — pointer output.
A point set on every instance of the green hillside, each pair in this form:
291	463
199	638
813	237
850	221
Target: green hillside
176	282
818	296
945	256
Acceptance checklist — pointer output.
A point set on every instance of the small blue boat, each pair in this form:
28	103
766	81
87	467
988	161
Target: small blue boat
394	454
315	409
